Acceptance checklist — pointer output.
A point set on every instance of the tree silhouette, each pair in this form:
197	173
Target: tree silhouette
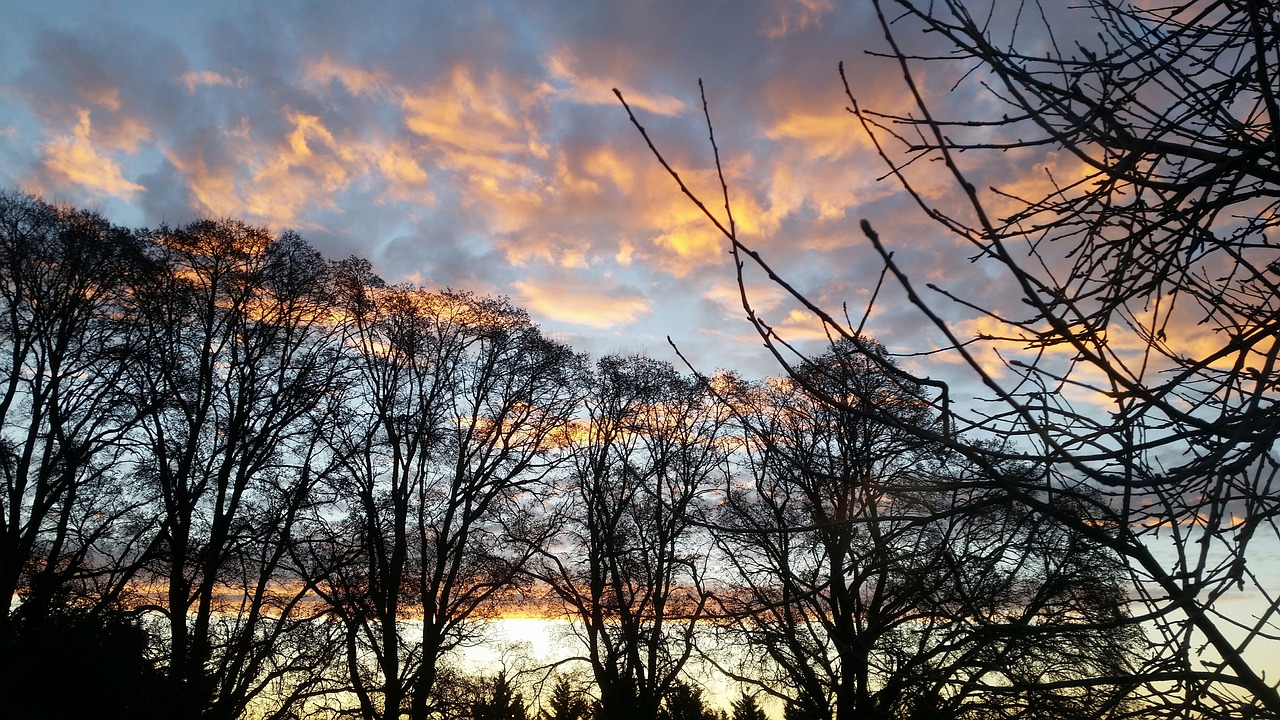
71	662
629	566
501	701
566	703
875	570
65	529
445	436
745	708
684	702
1147	286
1139	350
236	364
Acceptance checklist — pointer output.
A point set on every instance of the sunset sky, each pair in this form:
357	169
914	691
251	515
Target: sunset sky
479	146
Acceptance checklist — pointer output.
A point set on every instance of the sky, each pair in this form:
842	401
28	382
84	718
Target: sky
479	146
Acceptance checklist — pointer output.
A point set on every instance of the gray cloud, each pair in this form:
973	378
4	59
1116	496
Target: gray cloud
479	145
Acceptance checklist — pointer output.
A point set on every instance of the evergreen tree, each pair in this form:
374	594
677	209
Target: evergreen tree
745	708
504	702
683	702
566	703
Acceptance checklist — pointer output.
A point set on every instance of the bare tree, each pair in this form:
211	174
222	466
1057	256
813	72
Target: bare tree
1150	284
1141	352
445	436
65	513
70	523
238	362
630	565
877	573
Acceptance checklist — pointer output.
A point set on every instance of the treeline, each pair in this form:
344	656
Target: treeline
241	479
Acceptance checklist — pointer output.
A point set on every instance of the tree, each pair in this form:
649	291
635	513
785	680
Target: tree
745	708
65	513
1140	350
1148	283
630	564
875	571
565	703
445	437
501	701
237	365
102	653
684	702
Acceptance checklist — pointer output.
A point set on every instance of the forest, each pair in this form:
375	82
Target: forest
242	479
245	478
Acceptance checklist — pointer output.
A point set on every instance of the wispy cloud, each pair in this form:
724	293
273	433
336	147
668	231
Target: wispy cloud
72	161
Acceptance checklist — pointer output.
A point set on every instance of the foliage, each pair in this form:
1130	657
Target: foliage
501	702
71	662
684	702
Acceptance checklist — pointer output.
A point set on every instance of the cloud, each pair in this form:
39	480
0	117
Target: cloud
792	16
764	297
207	78
398	164
481	147
587	88
356	80
73	161
592	301
823	133
474	115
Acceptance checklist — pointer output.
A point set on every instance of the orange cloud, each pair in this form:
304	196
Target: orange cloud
276	181
550	249
582	302
691	243
357	81
590	89
397	163
212	189
192	80
74	161
824	133
275	192
107	97
625	251
606	163
467	114
125	133
799	326
795	15
481	128
683	238
308	171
